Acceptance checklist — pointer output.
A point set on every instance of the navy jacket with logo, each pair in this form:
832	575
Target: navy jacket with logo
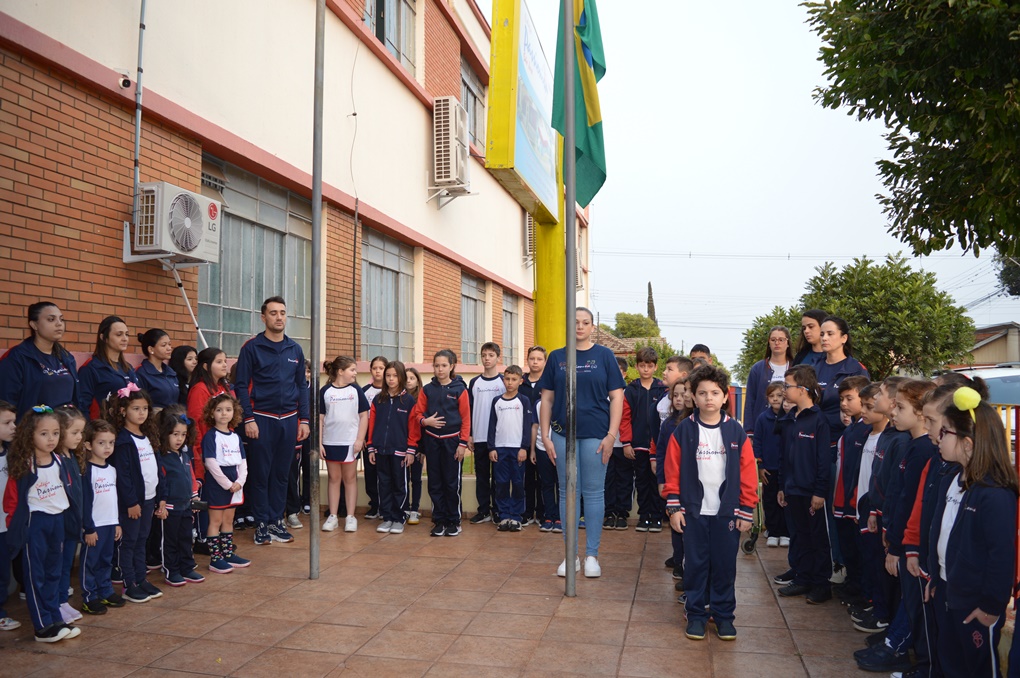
389	423
177	484
848	470
130	483
271	379
918	530
919	452
96	380
163	387
640	422
805	467
29	377
18	513
981	548
887	473
768	439
450	401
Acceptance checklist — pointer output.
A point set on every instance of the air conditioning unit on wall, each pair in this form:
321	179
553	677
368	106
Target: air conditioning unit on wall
451	147
183	224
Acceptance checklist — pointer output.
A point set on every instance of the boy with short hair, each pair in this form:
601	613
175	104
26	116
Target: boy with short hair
8	413
508	442
482	391
534	500
701	352
637	429
849	451
711	490
678	368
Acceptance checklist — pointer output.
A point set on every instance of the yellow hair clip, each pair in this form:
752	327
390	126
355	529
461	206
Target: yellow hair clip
967	399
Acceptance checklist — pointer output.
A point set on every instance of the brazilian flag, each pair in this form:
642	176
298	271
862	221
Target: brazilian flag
590	66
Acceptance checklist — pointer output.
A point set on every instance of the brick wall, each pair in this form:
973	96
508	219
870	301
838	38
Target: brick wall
497	314
343	285
528	309
442	54
441	279
65	191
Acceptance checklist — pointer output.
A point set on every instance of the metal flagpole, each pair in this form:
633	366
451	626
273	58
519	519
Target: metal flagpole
316	343
570	222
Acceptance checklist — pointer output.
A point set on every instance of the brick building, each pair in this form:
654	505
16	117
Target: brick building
227	103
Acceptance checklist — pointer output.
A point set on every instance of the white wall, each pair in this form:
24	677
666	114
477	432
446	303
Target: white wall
246	65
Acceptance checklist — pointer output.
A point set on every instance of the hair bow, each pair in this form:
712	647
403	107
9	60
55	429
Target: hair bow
967	399
42	409
185	420
130	388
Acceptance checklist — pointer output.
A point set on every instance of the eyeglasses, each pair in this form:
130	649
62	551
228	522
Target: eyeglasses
789	386
943	432
777	340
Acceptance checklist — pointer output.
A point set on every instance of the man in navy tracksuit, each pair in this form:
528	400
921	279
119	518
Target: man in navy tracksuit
637	428
273	392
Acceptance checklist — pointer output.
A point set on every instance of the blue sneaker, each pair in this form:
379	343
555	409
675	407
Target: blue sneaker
546	526
580	523
696	629
278	532
262	535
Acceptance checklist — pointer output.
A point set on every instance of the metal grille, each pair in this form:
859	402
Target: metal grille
442	133
145	221
212	182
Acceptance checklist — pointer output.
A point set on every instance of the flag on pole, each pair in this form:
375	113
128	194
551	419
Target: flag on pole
590	66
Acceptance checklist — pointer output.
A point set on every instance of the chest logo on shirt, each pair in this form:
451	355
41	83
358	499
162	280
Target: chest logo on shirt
292	360
103	486
806	436
45	490
734	446
705	452
50	372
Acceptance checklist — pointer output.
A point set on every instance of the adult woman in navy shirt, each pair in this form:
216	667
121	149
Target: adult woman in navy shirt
154	375
39	371
837	366
778	359
809	350
106	371
599	405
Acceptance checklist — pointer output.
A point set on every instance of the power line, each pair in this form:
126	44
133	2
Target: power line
779	256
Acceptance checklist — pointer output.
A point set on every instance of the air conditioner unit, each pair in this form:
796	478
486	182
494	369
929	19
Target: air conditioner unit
530	241
450	143
183	224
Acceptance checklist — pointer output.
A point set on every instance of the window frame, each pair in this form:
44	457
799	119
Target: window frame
511	316
472	318
387	269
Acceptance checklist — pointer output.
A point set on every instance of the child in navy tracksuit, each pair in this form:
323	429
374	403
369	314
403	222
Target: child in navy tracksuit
711	491
177	489
413	503
377	368
509	438
41	511
803	486
444	419
637	428
973	539
100	521
680	407
388	423
72	424
767	444
8	413
620	468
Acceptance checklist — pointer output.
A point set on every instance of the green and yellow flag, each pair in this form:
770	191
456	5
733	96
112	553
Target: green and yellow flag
590	66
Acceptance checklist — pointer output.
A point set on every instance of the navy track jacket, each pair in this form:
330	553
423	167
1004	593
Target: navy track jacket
163	387
96	380
449	401
640	421
848	470
29	377
130	483
271	379
805	467
389	422
919	452
768	439
177	485
17	510
755	401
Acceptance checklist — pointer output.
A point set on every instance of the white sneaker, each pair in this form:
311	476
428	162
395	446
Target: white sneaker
561	571
772	542
413	518
385	527
838	576
784	541
293	522
591	567
351	524
398	528
331	524
68	613
8	624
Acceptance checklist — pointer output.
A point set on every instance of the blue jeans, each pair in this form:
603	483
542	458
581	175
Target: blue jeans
591	485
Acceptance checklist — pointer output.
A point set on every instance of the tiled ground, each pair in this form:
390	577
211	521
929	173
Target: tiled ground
484	603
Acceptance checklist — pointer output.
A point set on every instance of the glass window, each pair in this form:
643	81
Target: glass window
387	297
472	98
472	318
509	329
393	24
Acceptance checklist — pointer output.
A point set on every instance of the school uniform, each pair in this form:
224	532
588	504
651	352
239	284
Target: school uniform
666	429
830	376
973	544
637	429
5	553
161	385
72	536
97	379
177	487
711	477
137	478
883	496
803	474
547	479
768	450
36	505
440	445
849	452
198	396
370	471
762	374
389	421
533	506
341	407
273	393
226	464
100	517
509	432
482	392
29	377
413	501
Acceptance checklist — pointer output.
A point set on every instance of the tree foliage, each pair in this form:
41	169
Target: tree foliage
661	346
898	319
1009	275
943	75
651	305
632	325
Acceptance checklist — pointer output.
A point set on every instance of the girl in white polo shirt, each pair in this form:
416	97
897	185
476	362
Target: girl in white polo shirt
343	420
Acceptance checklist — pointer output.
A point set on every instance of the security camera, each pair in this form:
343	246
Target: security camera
124	81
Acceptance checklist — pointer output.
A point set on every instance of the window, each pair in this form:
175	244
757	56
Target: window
509	329
387	297
264	251
472	98
472	318
393	23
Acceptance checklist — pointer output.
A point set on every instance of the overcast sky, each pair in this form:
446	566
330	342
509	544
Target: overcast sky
715	147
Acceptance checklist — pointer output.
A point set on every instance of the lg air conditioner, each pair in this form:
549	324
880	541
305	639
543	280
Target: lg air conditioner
183	224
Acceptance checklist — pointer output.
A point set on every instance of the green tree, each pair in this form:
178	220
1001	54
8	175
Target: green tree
943	75
756	338
632	325
898	318
661	346
651	305
1009	275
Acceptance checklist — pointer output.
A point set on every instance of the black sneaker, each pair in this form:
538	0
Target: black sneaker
877	638
201	548
682	599
919	671
655	526
150	589
95	607
725	630
785	578
881	658
239	525
642	526
791	590
609	523
621	522
113	600
262	535
504	526
859	613
373	514
278	532
819	595
678	572
515	526
480	518
871	624
136	594
696	629
438	530
670	563
249	521
116	576
453	529
678	585
52	633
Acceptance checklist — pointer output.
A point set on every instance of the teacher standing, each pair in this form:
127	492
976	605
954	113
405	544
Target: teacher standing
39	371
599	404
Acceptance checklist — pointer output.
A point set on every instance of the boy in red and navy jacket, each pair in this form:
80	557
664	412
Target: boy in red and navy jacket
637	435
711	491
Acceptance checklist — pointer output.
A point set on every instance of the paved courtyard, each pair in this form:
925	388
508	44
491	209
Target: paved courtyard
484	603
